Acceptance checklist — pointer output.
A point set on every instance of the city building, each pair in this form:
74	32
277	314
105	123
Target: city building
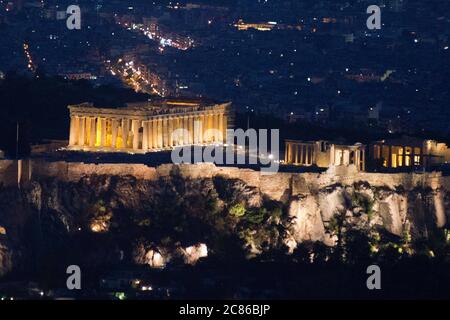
262	26
148	126
408	152
324	154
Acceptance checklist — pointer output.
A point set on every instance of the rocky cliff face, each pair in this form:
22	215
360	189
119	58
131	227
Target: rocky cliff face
365	207
102	220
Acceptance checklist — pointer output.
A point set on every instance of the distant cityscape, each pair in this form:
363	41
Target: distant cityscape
302	61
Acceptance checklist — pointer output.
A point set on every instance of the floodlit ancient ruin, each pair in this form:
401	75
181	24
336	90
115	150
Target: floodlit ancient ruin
325	154
149	126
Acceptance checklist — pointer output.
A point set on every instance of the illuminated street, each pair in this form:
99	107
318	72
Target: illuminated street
137	78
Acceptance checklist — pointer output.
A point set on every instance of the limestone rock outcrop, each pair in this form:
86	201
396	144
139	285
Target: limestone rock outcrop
188	213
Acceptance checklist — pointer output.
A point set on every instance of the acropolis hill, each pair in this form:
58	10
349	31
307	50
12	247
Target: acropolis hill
400	200
112	178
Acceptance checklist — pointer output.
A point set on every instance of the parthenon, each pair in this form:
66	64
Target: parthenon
148	126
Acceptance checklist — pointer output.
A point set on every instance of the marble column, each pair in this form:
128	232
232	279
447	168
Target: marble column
114	128
77	130
155	133
225	127
82	131
217	127
165	124
346	157
170	132
196	129
191	129
145	135
135	131
296	147
309	155
125	132
221	131
160	133
332	155
306	159
286	153
150	134
363	160
291	153
103	132
201	132
186	130
93	133
211	127
73	131
302	154
205	129
175	126
179	126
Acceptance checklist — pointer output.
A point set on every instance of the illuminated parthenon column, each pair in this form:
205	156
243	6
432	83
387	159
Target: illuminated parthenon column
145	135
92	131
81	137
74	123
103	132
115	132
144	128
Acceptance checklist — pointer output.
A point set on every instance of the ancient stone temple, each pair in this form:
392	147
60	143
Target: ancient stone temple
325	154
148	126
408	152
